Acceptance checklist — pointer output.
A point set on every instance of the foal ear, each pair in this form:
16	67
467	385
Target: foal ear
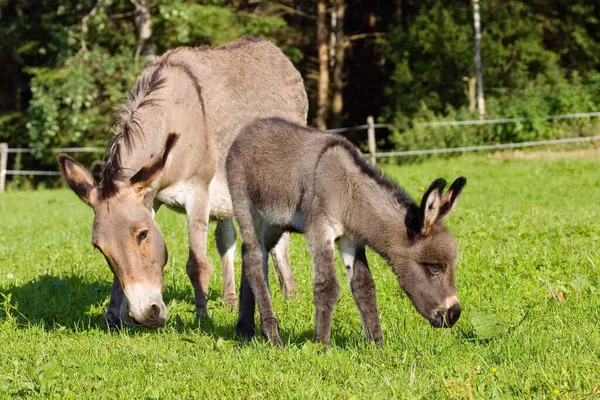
450	198
144	178
430	205
79	179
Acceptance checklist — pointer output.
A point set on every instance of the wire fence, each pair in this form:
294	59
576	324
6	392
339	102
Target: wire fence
370	127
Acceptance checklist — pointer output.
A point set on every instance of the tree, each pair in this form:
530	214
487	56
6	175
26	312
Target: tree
323	96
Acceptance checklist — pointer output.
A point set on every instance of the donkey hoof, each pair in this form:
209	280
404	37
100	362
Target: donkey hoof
276	341
245	330
202	313
231	301
290	294
270	330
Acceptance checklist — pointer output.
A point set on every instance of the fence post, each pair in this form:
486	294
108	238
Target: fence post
372	143
3	163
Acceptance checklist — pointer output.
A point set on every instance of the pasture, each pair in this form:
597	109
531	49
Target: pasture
528	280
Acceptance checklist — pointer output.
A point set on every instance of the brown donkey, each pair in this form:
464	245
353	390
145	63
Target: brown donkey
204	96
286	177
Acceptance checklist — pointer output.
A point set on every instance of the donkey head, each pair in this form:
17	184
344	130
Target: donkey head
125	232
426	269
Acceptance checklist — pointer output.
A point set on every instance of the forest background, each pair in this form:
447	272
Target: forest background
66	64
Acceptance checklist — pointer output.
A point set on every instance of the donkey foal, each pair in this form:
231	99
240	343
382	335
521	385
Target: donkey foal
287	177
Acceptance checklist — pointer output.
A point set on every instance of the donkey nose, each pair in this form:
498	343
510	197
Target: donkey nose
155	316
453	315
154	311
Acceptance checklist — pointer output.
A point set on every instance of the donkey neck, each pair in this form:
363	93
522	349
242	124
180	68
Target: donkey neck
376	208
380	224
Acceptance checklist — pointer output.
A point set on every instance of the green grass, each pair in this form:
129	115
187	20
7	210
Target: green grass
528	281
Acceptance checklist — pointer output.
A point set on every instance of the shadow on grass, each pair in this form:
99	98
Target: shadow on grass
71	302
57	303
74	303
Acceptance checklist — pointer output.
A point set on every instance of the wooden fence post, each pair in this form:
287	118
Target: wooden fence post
372	143
3	163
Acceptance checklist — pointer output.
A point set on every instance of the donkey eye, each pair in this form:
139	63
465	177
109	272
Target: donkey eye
142	235
435	268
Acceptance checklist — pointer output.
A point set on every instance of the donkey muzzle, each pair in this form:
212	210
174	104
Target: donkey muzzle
446	318
146	306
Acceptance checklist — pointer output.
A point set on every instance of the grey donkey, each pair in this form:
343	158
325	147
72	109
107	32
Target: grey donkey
202	97
286	177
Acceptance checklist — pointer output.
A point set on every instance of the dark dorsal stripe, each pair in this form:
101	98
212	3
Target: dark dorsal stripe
372	172
412	219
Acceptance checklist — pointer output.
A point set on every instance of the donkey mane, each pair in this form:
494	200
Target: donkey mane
412	219
127	118
374	173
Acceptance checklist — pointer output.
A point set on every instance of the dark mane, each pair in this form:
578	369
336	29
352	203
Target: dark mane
412	220
127	125
127	119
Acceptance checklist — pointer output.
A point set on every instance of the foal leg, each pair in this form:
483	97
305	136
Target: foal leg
281	261
362	287
254	286
270	237
115	315
198	267
225	237
326	288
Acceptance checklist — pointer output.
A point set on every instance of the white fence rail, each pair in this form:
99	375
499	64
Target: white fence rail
370	126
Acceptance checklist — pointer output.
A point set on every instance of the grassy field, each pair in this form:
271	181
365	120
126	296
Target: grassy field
528	281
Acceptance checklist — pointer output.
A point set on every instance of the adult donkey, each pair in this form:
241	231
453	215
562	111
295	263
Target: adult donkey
287	177
169	148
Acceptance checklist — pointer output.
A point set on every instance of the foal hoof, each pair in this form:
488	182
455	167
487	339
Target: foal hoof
276	341
245	330
270	330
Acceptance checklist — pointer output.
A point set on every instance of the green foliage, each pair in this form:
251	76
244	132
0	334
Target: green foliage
80	72
73	104
183	23
525	74
527	280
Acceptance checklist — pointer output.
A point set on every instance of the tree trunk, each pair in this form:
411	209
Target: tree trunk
143	25
338	66
323	92
472	90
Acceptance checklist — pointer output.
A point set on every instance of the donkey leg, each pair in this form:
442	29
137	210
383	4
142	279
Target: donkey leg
225	237
246	306
281	261
198	267
362	287
326	288
254	261
253	271
245	324
117	307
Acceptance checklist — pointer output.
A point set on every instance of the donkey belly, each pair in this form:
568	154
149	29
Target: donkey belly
181	195
292	222
220	199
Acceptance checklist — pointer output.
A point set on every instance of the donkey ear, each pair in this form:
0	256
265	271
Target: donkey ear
144	178
450	198
430	205
79	179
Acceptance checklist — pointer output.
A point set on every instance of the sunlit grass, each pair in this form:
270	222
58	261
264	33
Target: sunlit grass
528	281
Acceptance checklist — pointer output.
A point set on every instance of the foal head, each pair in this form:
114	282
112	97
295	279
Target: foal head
425	269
